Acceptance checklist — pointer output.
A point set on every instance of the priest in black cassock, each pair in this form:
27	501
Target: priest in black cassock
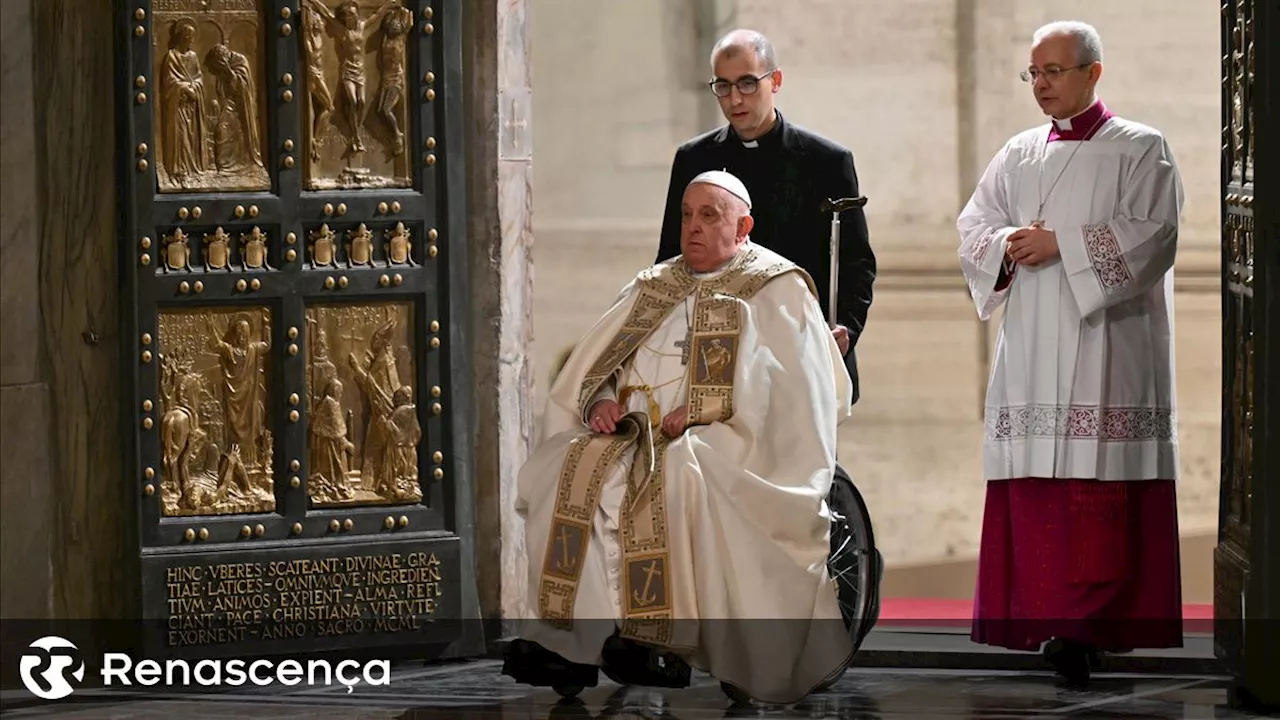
791	171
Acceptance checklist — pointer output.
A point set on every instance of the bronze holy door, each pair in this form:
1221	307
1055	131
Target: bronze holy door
293	259
1247	557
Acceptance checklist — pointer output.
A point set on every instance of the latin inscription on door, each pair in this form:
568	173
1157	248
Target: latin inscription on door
297	599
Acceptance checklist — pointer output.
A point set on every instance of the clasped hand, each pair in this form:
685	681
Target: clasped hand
605	415
1032	245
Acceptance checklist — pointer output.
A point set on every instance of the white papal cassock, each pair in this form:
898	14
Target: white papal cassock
1082	384
714	544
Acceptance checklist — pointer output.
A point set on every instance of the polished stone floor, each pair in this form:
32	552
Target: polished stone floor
477	691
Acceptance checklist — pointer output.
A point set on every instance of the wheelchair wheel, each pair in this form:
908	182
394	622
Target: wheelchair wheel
854	562
568	692
735	694
827	685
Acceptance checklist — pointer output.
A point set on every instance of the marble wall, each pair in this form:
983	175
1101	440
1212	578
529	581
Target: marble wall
500	165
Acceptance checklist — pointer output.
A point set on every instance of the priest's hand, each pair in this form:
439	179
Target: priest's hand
673	424
1033	245
841	334
605	415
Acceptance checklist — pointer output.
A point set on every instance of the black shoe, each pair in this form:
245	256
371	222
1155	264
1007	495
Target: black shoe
628	662
529	663
1070	659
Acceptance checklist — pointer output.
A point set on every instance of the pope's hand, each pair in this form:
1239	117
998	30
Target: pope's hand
673	424
605	415
1032	245
841	334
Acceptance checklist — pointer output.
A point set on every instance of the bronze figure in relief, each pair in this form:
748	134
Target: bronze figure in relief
364	430
253	250
237	147
396	25
210	116
1238	99
364	35
1248	78
313	32
177	251
215	444
324	243
399	248
359	246
217	250
330	448
1240	84
182	112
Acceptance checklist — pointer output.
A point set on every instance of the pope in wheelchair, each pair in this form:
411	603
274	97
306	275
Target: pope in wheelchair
683	507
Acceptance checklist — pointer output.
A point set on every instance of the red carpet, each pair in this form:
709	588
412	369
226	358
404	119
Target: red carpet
938	612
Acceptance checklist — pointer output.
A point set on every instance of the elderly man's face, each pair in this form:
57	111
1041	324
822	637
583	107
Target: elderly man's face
1070	92
712	226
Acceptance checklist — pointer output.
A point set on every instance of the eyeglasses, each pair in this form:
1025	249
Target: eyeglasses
1051	73
746	85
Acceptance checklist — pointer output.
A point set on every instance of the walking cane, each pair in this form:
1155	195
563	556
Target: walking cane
835	207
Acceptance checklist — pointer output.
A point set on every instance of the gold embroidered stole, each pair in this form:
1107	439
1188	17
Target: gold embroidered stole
647	607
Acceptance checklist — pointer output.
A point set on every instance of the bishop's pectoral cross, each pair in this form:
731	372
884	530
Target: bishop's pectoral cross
686	346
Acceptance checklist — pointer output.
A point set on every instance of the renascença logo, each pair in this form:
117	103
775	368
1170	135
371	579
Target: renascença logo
44	668
220	673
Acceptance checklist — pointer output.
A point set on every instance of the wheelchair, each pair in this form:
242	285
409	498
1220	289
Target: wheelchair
855	564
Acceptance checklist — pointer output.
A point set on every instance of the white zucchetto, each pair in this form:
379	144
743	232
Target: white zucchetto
726	180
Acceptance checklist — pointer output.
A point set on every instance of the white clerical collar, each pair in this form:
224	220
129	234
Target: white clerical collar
777	120
1065	123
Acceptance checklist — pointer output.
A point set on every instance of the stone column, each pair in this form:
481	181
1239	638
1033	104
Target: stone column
69	519
76	90
499	166
25	512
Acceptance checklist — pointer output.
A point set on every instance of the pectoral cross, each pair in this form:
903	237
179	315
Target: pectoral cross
686	346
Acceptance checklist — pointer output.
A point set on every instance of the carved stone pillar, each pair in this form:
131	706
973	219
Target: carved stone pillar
94	561
25	510
65	505
499	201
